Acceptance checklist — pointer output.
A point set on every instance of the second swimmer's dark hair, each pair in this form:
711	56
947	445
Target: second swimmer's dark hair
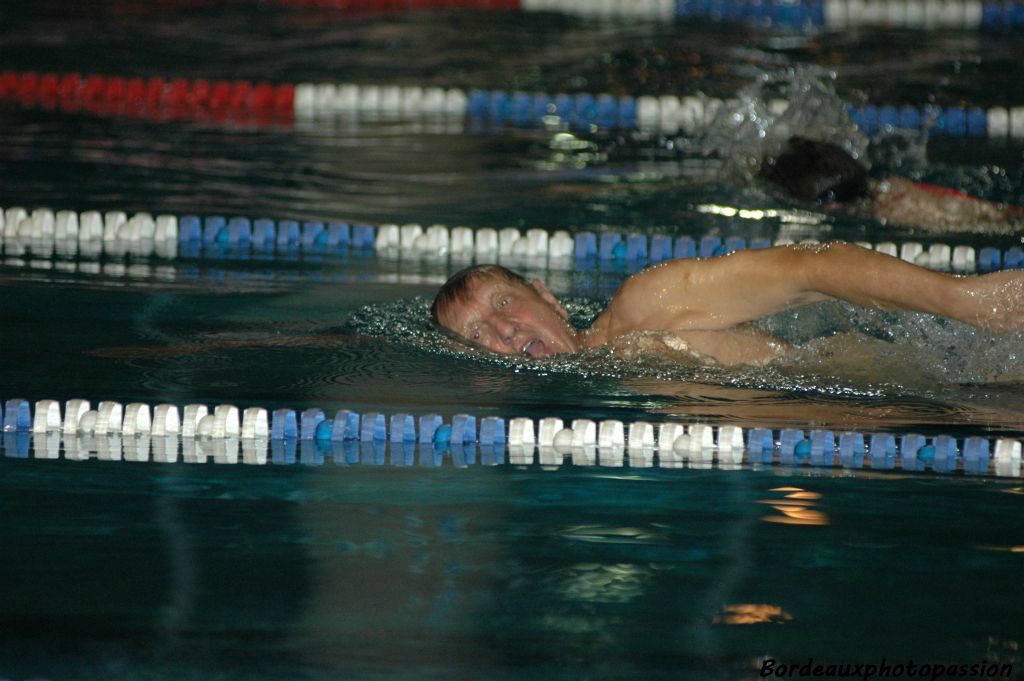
816	171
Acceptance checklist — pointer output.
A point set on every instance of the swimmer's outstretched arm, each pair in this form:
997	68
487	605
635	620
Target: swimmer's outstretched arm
719	293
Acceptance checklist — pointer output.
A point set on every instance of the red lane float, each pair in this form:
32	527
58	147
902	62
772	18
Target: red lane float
156	97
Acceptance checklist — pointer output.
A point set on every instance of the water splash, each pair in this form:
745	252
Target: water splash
840	351
763	116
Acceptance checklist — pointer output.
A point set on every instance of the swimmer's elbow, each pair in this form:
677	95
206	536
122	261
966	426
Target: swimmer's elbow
819	270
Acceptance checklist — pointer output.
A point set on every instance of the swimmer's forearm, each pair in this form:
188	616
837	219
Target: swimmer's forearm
872	279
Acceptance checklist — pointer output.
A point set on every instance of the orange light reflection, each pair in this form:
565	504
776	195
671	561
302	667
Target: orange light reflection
752	613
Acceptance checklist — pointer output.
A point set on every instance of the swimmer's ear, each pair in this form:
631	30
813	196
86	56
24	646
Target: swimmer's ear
549	297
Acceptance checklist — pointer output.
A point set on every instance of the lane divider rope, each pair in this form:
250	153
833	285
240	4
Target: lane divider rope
809	14
267	104
139	432
44	233
833	15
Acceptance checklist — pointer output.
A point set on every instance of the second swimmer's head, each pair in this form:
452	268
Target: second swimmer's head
816	171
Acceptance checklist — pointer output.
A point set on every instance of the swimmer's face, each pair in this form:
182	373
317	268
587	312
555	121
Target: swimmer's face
512	318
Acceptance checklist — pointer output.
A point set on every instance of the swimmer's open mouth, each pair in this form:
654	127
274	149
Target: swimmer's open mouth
535	348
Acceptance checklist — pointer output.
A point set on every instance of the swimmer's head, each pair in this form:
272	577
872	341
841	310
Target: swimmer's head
497	309
816	171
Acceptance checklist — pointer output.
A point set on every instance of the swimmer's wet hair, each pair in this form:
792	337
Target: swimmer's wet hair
816	171
458	287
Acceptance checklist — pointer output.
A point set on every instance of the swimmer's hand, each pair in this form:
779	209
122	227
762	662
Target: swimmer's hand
992	301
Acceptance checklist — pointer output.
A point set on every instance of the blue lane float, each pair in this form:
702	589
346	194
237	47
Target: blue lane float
324	431
310	422
492	431
373	428
403	428
443	435
284	425
345	426
115	431
239	231
463	428
189	229
17	416
213	228
429	424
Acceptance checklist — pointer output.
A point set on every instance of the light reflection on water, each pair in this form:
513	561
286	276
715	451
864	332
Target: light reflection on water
795	506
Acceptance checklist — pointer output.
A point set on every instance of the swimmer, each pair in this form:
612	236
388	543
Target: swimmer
704	306
825	173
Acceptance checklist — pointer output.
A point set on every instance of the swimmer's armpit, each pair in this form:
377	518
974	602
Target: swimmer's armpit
744	344
199	347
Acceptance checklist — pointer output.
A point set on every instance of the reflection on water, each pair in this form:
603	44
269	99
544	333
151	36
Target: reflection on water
752	613
795	506
597	583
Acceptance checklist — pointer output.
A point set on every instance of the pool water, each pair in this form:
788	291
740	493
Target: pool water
383	565
188	571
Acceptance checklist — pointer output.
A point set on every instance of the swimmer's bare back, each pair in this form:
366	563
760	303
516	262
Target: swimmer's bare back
899	201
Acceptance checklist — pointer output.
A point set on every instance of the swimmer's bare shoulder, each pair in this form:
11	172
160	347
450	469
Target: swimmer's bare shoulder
694	301
709	294
657	298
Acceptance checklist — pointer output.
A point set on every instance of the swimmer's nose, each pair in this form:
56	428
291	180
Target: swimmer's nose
506	329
